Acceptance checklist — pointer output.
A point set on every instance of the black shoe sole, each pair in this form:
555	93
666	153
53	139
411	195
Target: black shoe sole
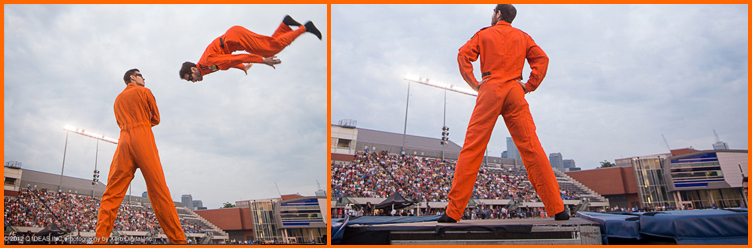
561	216
290	22
446	219
312	29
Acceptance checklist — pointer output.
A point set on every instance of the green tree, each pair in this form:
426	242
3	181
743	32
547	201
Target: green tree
228	205
606	164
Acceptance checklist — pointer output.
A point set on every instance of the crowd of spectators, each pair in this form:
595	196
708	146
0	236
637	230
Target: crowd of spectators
192	227
379	175
496	212
421	179
78	213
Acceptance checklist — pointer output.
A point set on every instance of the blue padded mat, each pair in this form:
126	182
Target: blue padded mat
697	226
687	227
615	225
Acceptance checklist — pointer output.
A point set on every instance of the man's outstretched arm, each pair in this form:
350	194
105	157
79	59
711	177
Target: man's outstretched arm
271	61
225	62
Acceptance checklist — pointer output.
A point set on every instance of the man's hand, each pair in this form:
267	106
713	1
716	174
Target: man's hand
477	88
523	86
271	61
247	66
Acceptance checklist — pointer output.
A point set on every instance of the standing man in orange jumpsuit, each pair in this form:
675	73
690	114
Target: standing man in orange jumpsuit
502	50
136	112
261	49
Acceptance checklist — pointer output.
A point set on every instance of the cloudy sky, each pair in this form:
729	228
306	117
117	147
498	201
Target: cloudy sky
619	77
228	138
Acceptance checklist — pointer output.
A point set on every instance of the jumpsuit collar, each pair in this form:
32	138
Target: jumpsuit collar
504	23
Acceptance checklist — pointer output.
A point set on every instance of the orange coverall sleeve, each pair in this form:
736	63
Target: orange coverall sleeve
152	108
227	61
469	53
538	64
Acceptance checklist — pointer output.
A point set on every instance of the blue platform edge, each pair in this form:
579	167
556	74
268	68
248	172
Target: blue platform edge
687	227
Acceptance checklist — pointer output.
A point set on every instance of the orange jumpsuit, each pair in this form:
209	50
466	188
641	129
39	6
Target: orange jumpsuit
503	50
218	55
136	112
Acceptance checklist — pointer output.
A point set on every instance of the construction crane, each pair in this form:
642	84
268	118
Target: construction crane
664	141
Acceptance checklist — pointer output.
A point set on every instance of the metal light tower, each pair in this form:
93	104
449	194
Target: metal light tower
446	87
404	134
98	137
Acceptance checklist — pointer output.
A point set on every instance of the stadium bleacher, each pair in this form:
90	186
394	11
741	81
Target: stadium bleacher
378	175
33	209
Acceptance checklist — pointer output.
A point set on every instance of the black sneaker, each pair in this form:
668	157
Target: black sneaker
562	216
290	22
309	27
446	219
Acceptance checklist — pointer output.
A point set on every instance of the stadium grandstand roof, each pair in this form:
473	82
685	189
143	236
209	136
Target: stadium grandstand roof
395	139
32	176
291	196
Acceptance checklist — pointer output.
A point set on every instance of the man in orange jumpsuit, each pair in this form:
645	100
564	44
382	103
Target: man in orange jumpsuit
136	112
261	49
502	50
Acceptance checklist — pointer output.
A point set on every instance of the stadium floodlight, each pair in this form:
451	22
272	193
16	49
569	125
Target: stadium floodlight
441	85
98	137
90	134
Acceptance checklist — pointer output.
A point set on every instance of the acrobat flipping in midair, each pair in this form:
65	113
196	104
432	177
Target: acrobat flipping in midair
260	48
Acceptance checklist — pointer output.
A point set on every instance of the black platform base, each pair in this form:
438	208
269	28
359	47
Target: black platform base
545	231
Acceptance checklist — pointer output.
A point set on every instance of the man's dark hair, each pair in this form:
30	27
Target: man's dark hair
128	74
744	180
508	12
186	69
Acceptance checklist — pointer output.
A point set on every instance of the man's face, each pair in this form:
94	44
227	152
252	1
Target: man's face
744	187
495	17
138	79
195	75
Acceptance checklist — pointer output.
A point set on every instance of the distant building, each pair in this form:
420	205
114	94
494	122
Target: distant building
321	193
197	204
651	182
720	145
684	179
706	179
556	161
12	172
344	138
569	163
512	149
236	222
290	219
145	195
187	201
617	184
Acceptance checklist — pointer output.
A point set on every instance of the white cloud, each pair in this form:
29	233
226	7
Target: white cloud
224	139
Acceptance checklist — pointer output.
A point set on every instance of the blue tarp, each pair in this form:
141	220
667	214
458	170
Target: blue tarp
687	227
338	229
